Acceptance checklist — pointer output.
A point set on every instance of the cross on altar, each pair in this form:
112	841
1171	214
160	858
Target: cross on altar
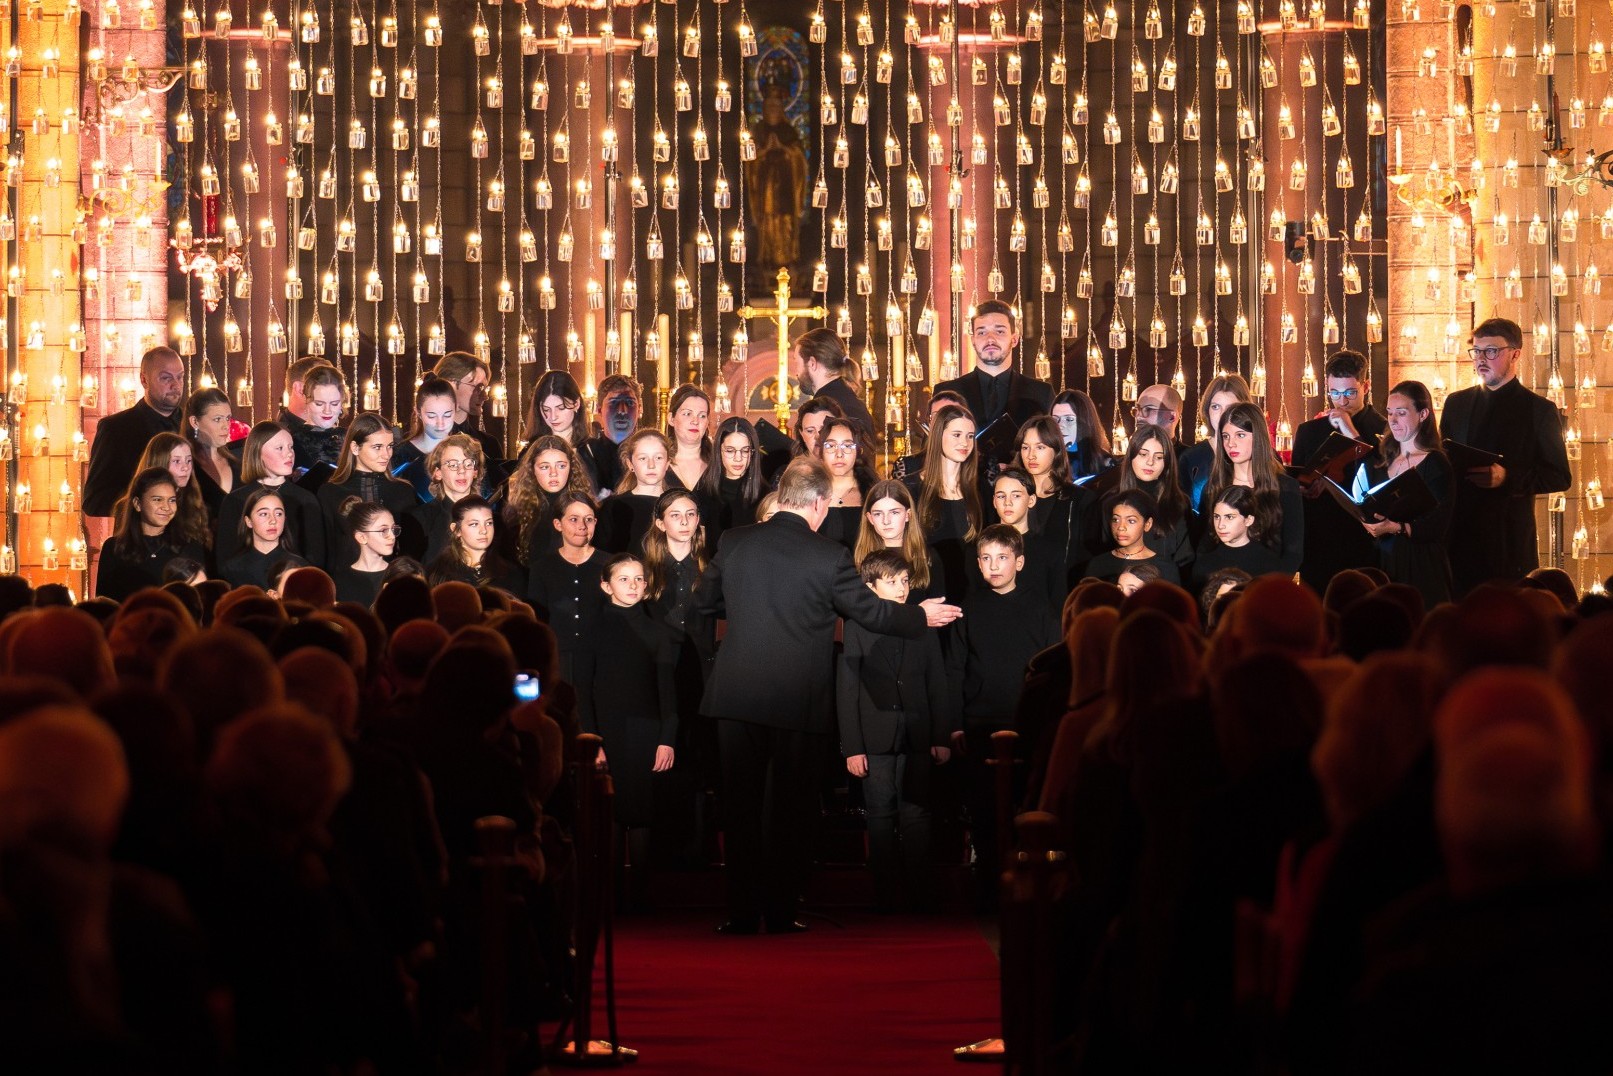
782	313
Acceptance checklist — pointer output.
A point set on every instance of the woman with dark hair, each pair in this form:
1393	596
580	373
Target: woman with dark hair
809	420
564	583
1244	456
455	467
434	403
1151	467
267	461
172	453
889	521
1220	392
374	532
557	410
627	513
1238	538
470	556
688	430
548	470
365	472
263	541
1414	552
145	541
730	491
849	457
207	426
1060	514
949	498
1086	445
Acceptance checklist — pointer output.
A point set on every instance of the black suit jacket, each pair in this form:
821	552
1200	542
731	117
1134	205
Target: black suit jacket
120	440
1493	530
922	716
1027	397
851	405
781	587
1334	540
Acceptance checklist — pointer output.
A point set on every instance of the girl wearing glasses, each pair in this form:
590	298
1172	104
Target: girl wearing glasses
729	492
375	533
1244	456
851	472
365	472
455	468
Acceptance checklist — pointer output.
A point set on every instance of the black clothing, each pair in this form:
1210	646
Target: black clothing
409	464
568	598
212	493
120	440
1493	530
603	458
1045	571
355	586
305	522
1291	507
425	530
1108	567
1013	393
314	446
124	571
990	647
626	696
494	571
1256	558
729	509
1193	468
851	406
1419	558
249	568
492	451
843	524
958	570
1334	540
623	519
1063	520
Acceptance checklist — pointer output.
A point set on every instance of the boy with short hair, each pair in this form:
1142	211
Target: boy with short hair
1130	516
896	722
1013	495
1002	627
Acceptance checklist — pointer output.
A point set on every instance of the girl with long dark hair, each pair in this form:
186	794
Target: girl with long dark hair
1244	456
1414	552
730	491
146	539
207	427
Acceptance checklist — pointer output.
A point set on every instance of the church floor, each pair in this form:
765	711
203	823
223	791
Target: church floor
875	994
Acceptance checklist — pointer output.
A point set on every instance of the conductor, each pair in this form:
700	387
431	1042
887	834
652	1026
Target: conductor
780	587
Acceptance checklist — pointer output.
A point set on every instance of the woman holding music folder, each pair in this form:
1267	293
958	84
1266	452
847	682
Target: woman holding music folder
1412	550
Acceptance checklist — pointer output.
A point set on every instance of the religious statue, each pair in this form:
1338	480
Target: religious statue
777	182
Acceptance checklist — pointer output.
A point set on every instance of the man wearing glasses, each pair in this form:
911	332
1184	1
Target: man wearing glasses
470	377
994	388
1493	523
1160	405
1332	543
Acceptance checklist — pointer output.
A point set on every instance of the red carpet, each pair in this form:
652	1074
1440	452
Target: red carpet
884	995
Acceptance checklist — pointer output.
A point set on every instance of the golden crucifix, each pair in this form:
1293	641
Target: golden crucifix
782	313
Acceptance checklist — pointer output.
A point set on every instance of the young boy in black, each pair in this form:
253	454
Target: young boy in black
1002	626
896	722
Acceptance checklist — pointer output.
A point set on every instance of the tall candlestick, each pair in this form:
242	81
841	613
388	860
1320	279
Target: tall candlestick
663	365
935	358
625	335
1397	149
590	352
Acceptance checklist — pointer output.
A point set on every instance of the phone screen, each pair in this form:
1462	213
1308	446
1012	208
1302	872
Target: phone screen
527	687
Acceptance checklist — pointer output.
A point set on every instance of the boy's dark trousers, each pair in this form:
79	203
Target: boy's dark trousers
898	834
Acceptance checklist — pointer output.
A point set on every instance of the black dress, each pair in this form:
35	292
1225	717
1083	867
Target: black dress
249	568
842	524
947	539
1256	558
624	518
1419	559
212	493
1109	568
626	695
729	509
353	585
122	572
493	571
568	598
305	523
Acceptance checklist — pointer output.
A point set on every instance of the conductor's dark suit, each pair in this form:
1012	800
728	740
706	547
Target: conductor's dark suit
851	405
772	689
1493	530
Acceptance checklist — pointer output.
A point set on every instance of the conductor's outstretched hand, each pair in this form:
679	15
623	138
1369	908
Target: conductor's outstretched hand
938	614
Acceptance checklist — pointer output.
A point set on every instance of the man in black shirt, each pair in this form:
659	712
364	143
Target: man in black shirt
994	389
823	368
1493	524
1332	544
120	439
619	409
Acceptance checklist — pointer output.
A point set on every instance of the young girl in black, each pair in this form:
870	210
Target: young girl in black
146	539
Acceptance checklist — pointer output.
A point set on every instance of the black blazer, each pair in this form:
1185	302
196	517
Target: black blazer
1493	530
851	405
120	441
1334	540
781	587
918	712
1027	397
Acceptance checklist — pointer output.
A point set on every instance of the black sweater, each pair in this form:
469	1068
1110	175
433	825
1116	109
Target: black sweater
990	647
